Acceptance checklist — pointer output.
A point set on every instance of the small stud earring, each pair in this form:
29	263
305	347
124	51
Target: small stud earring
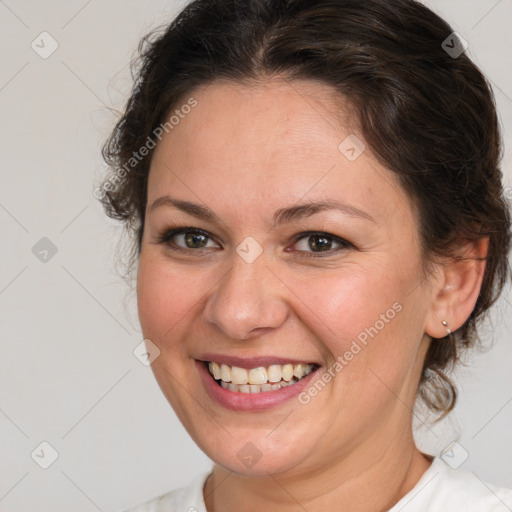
445	323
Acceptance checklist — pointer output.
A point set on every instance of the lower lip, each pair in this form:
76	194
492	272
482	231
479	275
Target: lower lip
261	401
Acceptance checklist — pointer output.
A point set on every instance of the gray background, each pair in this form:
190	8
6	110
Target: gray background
69	325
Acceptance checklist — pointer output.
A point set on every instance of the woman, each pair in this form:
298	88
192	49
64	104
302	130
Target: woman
315	194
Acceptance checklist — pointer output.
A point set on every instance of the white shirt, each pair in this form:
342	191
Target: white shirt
440	489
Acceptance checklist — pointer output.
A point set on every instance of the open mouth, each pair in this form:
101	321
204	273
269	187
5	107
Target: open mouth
261	379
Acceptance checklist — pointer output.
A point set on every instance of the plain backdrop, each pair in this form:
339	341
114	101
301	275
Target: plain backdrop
68	376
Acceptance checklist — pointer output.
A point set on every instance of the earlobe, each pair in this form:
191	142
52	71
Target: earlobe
457	289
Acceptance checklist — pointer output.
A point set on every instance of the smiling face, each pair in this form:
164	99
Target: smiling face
256	278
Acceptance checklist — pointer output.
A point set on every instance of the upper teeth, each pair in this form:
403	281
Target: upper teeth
260	375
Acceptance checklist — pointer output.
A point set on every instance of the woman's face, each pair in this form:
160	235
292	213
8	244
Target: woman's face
258	280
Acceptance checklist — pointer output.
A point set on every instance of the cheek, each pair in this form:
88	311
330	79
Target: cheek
345	304
165	296
365	320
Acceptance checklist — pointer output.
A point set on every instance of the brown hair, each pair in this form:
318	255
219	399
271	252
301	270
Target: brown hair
427	115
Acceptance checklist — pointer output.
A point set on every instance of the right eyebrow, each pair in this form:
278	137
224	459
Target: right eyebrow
197	210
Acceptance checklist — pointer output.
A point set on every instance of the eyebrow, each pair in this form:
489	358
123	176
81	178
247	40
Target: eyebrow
281	216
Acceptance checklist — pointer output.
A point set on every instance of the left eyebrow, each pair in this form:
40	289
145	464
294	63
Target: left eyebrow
300	211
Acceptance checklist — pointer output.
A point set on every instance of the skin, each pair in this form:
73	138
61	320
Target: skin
246	151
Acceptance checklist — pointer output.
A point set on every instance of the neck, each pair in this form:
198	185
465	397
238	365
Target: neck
346	483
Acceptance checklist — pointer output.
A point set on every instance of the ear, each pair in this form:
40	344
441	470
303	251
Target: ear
456	289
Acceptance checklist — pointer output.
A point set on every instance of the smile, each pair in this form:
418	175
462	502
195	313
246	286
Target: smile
258	380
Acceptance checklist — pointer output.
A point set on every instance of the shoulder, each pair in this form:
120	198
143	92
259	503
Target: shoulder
444	488
185	499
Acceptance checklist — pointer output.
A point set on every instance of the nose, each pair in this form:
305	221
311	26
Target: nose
249	298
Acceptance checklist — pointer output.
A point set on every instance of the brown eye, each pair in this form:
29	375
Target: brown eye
195	240
312	244
320	243
185	238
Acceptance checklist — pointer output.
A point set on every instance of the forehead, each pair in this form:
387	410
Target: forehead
265	119
277	141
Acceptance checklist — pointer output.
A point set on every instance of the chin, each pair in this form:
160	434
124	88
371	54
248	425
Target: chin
253	455
252	465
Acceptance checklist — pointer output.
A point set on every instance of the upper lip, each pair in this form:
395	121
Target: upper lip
251	362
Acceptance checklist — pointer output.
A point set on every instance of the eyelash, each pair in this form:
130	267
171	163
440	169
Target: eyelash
167	236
